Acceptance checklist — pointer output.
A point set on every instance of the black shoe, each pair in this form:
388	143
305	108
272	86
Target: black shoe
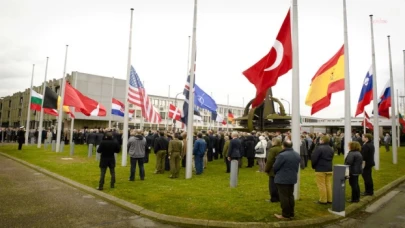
112	186
367	194
99	188
319	202
329	202
353	201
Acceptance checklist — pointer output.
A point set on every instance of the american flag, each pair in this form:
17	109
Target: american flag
137	96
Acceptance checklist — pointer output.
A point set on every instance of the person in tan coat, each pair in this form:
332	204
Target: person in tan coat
225	154
271	158
175	149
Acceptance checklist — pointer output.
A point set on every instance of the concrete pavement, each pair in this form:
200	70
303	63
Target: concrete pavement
32	199
388	211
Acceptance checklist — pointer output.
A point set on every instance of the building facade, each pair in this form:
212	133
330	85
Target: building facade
13	108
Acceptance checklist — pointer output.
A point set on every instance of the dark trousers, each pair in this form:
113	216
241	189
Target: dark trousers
387	147
215	155
146	159
102	175
273	190
133	168
167	163
209	154
20	145
354	184
286	193
183	162
198	160
228	165
368	180
251	162
340	151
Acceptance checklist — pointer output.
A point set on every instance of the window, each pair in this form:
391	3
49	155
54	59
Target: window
9	103
57	88
21	100
19	112
163	115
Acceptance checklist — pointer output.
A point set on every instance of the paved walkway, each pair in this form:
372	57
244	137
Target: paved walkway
388	211
32	199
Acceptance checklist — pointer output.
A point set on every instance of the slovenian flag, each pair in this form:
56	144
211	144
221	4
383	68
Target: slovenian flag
385	101
366	94
117	108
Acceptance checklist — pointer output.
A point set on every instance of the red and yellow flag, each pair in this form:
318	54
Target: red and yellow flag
329	79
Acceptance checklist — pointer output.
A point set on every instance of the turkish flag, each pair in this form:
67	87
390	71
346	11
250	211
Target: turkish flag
174	112
264	74
83	104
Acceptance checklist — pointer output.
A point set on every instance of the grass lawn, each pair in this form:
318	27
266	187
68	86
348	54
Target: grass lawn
207	196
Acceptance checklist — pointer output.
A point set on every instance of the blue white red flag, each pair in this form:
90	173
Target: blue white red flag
366	94
117	108
384	103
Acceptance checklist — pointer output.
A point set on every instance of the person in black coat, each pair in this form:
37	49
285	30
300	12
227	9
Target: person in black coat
91	141
368	157
354	160
250	150
20	137
149	145
108	147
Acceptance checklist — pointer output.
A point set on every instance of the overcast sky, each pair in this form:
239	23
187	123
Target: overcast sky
231	36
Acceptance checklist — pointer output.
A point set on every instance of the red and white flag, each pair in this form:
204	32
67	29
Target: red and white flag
137	96
83	104
174	112
366	120
264	74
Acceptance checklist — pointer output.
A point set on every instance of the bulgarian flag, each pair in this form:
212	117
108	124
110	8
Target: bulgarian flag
36	101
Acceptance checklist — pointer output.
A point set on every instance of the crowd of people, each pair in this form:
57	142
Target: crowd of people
271	152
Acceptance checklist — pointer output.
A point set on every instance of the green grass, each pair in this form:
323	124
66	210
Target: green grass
207	196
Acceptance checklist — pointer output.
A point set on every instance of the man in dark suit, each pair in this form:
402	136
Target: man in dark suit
367	151
235	147
107	149
286	169
20	137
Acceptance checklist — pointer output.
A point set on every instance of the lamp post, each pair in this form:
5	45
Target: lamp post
174	120
288	105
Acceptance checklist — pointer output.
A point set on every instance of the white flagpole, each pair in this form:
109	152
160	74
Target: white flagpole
41	117
167	108
295	117
125	133
364	122
112	96
376	129
397	121
62	97
190	121
393	112
29	108
142	119
72	109
348	128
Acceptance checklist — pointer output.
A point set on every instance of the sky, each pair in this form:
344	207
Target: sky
231	36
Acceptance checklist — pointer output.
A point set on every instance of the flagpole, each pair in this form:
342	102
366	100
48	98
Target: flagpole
60	111
167	108
29	108
347	84
396	122
190	121
41	117
364	122
112	96
295	116
393	112
126	113
72	109
142	119
376	129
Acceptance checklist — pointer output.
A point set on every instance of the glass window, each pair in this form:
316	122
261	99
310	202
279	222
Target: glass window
9	103
21	100
19	112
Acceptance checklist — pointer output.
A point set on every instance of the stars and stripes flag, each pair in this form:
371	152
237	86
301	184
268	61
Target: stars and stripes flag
137	96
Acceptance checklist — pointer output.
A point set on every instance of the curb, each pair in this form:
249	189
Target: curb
189	222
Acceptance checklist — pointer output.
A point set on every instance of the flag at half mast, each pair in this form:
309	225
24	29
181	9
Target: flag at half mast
137	96
329	79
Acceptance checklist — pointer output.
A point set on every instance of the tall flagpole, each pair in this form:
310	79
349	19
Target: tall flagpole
295	116
60	111
348	128
41	117
393	112
167	108
112	96
190	121
29	107
364	122
72	109
126	113
376	129
397	122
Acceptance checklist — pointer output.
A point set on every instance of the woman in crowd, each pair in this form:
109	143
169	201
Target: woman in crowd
260	149
354	160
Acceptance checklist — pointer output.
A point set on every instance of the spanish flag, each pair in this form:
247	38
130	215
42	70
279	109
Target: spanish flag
329	79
